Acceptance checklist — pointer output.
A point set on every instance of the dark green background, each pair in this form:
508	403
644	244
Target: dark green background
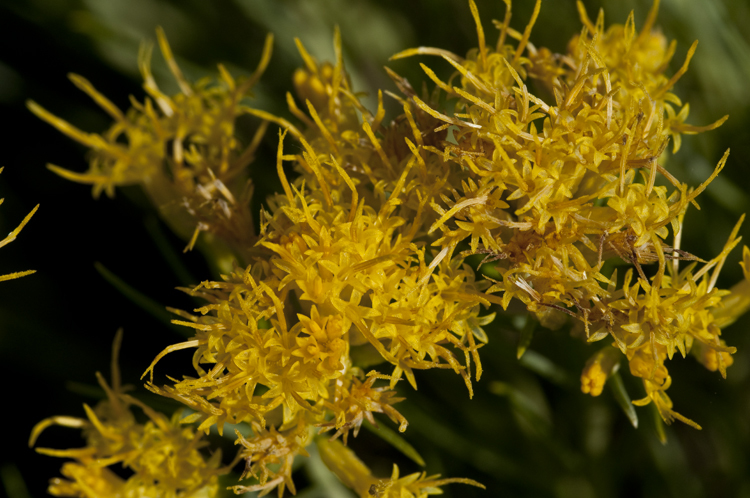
545	439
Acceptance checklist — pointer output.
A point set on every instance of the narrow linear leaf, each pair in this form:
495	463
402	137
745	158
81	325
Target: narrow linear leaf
141	300
527	333
87	390
530	407
15	486
394	439
544	367
172	257
621	396
325	482
138	298
455	444
659	424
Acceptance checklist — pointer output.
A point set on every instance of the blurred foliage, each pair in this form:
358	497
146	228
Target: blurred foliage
529	431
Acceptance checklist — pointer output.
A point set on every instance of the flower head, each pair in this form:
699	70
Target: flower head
182	149
551	188
164	455
359	261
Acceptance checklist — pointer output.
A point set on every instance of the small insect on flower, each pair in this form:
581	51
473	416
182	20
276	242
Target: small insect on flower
378	489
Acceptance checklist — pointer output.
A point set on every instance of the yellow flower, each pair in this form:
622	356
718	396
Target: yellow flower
163	454
549	189
338	264
356	402
599	367
269	447
361	255
182	150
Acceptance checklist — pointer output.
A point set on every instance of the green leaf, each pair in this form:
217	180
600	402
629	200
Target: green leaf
622	398
141	300
527	333
172	258
529	404
659	424
13	482
394	439
544	367
454	441
325	484
88	390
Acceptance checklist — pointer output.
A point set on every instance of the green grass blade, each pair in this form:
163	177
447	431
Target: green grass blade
325	482
172	257
544	367
141	300
394	439
659	424
527	333
621	396
13	482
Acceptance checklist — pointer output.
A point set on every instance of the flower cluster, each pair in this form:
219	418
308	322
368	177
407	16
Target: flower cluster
339	274
182	150
549	191
163	454
360	261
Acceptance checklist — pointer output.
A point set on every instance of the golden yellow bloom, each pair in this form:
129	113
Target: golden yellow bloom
182	150
549	190
337	266
713	359
599	367
269	447
361	255
163	454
